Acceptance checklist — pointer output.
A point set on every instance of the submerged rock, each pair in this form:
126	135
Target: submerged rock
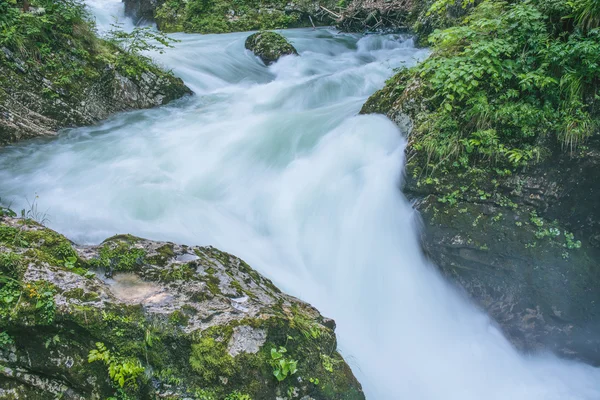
172	321
269	46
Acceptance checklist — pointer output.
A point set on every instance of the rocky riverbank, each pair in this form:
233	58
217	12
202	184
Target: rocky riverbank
133	317
506	186
56	73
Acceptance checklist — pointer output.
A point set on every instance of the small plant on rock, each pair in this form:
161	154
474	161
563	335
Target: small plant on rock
123	372
282	366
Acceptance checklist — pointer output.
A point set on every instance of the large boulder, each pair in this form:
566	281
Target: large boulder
154	320
269	46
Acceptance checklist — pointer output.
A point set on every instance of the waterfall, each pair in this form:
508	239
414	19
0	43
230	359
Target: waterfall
273	165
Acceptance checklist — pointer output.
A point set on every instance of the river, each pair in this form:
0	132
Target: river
273	165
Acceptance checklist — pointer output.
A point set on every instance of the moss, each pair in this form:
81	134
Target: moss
177	360
120	256
178	317
220	16
11	265
81	295
123	238
164	254
269	46
209	357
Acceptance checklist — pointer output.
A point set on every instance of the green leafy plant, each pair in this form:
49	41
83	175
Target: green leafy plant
123	372
570	242
237	396
502	82
327	362
282	366
5	340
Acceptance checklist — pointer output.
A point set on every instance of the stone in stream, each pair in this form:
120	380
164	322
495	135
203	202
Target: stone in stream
269	46
172	322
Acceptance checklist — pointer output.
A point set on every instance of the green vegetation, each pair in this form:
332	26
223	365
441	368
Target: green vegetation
58	38
225	16
504	84
54	65
119	256
123	372
282	366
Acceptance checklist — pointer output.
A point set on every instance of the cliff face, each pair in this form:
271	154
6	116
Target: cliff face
56	73
523	243
133	317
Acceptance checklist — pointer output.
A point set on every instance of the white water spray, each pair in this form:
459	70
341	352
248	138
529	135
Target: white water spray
273	165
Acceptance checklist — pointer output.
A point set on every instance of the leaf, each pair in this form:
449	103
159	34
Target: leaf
277	373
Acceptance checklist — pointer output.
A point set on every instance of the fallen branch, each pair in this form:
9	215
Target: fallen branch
337	16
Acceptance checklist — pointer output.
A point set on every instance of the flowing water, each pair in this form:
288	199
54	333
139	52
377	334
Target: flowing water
273	165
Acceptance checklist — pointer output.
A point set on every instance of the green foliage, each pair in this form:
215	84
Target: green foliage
33	213
203	16
169	376
35	298
132	44
6	211
43	294
327	362
442	6
5	340
209	359
586	13
570	242
237	396
282	366
507	76
121	256
57	41
123	372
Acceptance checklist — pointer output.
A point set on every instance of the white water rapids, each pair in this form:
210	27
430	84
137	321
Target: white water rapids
273	165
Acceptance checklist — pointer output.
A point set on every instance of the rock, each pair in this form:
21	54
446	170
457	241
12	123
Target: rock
35	103
520	243
269	46
141	10
188	322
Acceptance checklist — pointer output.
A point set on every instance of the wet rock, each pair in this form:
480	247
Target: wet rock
246	339
521	244
269	46
192	319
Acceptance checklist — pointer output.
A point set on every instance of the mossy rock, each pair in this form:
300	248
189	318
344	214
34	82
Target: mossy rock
523	243
75	79
181	322
269	46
